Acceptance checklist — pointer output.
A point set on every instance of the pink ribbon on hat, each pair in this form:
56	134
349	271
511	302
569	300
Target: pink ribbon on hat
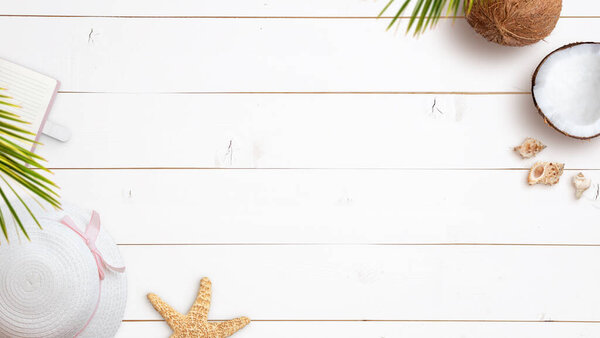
89	236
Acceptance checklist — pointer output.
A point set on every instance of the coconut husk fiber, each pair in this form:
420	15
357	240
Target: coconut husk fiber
514	22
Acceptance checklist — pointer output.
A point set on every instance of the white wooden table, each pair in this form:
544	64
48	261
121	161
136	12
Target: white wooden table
291	151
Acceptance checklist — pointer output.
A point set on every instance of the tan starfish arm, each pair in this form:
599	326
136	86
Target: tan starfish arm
229	327
173	318
199	310
195	324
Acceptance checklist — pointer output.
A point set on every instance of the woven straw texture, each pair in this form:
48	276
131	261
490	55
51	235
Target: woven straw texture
49	286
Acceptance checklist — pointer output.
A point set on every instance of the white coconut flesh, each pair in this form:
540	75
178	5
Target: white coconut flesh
567	90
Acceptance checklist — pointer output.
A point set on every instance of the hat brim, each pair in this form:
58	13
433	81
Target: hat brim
113	298
108	315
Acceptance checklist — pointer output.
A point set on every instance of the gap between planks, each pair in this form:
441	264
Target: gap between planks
365	244
397	320
247	17
303	93
307	168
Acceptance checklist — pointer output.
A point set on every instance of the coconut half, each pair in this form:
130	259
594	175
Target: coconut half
566	89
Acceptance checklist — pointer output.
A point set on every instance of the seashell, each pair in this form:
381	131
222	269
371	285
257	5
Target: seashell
545	173
581	184
530	147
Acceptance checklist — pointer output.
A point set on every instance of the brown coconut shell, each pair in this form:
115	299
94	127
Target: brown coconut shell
540	111
514	22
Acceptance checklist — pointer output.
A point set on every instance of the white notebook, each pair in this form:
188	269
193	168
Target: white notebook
32	91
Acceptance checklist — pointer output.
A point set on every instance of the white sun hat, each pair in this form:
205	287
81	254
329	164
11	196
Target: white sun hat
67	281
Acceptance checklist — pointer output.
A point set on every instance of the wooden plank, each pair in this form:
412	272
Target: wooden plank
370	282
334	8
305	131
384	329
333	206
174	55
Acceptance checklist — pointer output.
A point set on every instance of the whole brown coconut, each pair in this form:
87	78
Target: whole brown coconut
514	22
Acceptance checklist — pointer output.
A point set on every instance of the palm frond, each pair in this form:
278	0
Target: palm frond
20	166
426	13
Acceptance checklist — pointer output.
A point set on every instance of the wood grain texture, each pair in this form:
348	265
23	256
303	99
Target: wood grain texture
384	329
334	8
283	55
423	217
332	206
305	131
370	282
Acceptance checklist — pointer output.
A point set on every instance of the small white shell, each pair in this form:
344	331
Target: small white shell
581	184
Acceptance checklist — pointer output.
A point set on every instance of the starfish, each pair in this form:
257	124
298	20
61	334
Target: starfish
195	323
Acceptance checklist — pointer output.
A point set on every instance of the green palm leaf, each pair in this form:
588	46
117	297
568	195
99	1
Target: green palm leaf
426	13
21	167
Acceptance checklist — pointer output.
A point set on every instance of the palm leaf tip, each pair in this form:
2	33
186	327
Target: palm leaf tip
426	13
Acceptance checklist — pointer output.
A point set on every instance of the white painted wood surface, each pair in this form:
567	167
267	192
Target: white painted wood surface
280	55
334	206
371	282
236	8
306	131
386	329
329	192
